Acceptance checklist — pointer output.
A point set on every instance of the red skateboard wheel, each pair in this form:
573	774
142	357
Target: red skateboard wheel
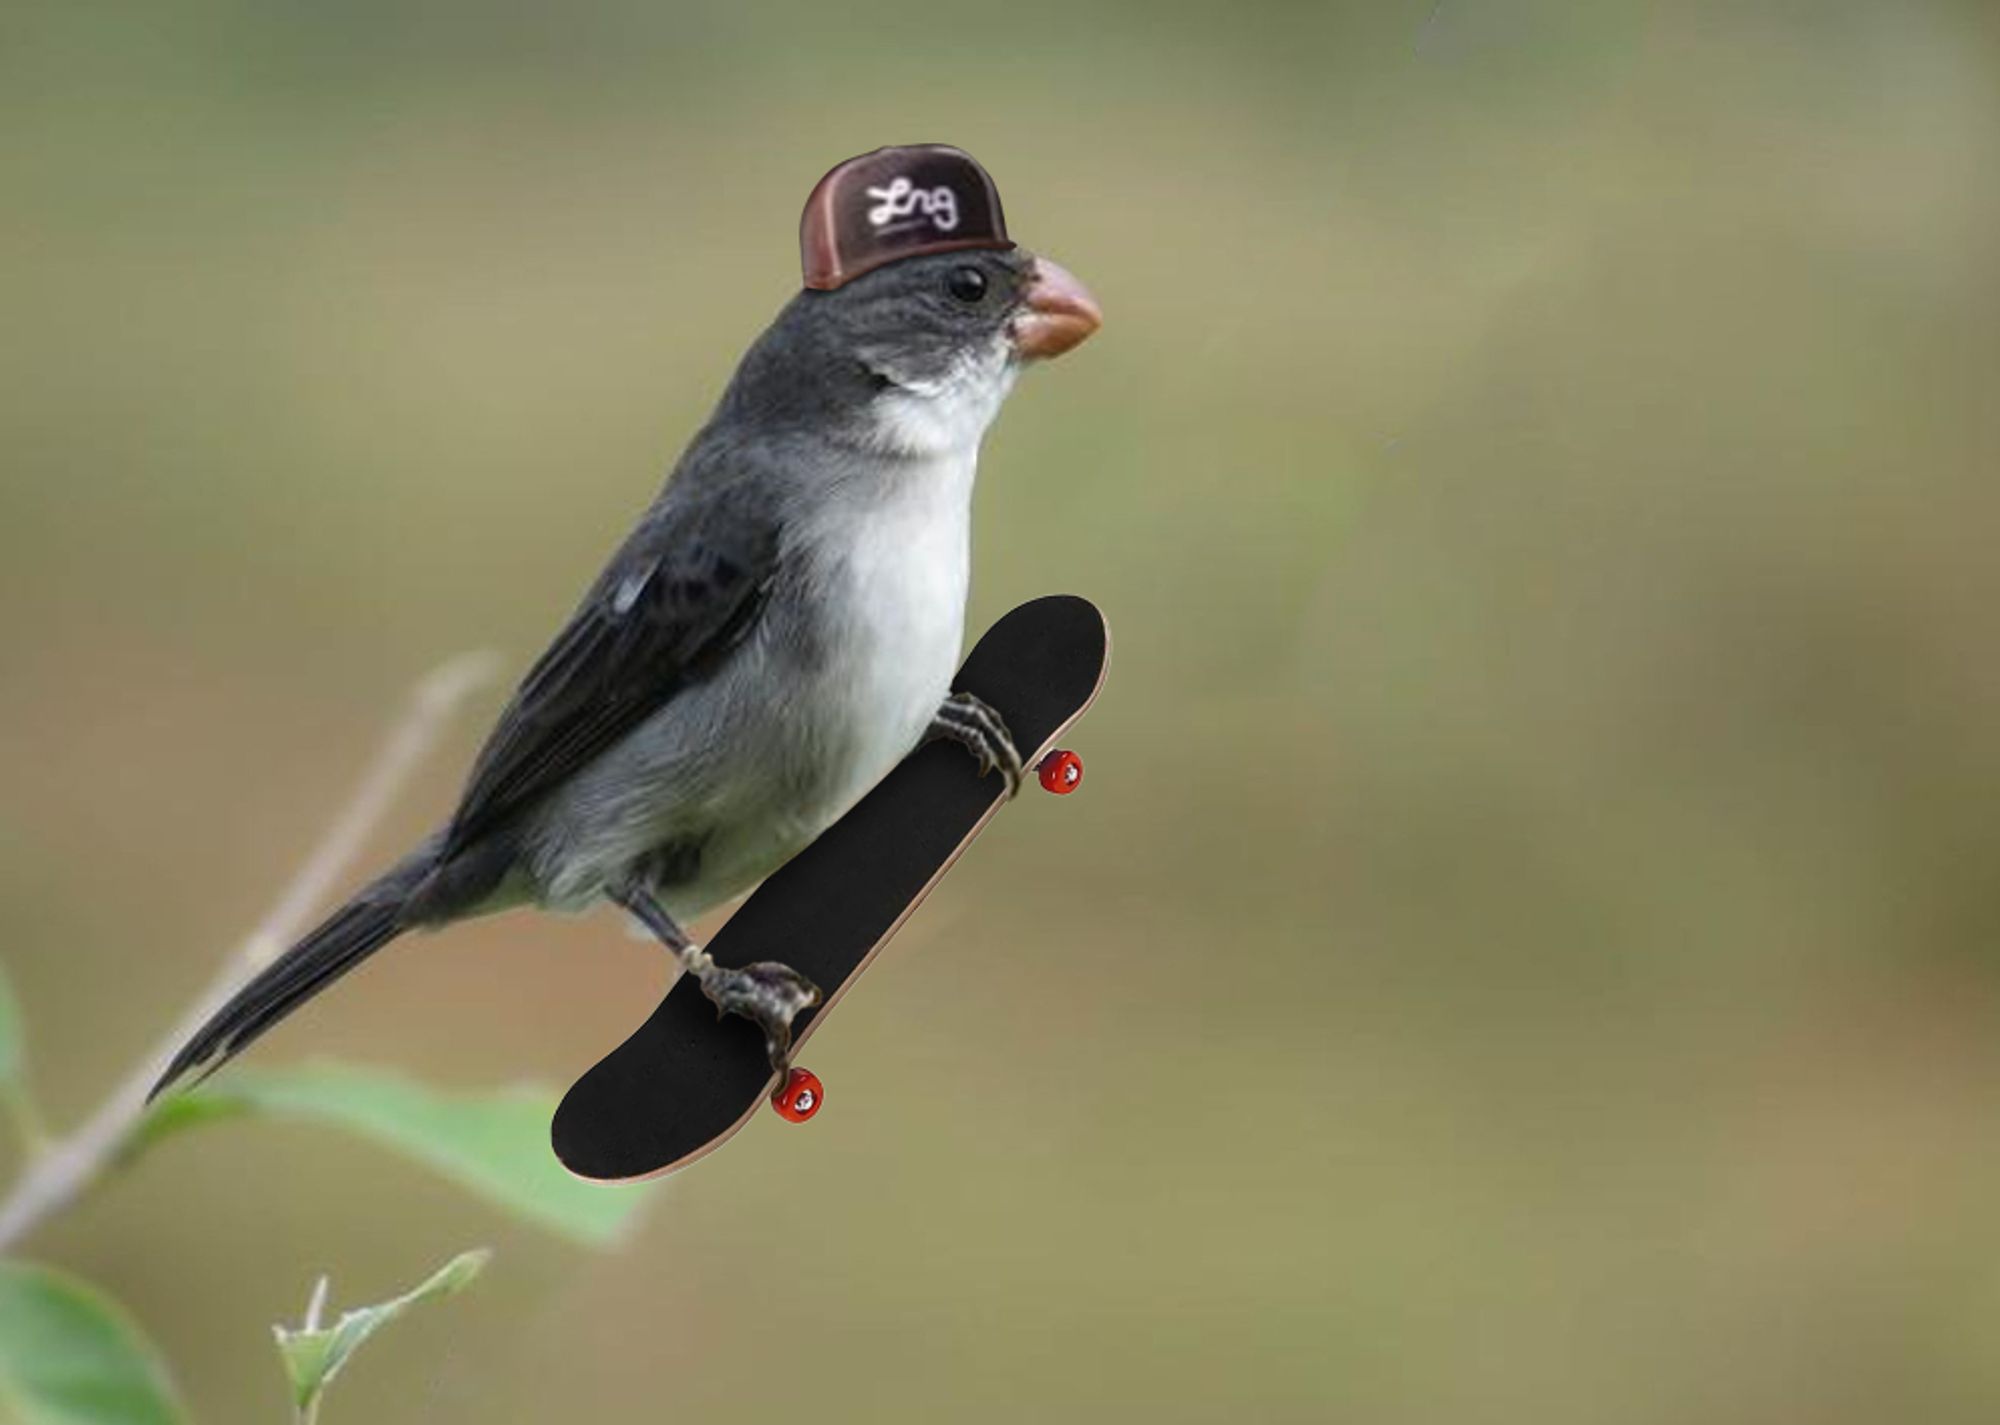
800	1097
1061	772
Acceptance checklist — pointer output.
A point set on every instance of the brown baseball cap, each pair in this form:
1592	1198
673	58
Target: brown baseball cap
893	203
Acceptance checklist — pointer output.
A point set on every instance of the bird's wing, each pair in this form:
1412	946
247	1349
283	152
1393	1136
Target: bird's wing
686	587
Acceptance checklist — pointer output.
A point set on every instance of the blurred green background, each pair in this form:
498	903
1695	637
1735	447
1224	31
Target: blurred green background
1525	950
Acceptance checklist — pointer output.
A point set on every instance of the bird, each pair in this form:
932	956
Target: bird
778	630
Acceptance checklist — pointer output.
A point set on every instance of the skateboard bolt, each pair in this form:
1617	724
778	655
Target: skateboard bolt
800	1097
1061	772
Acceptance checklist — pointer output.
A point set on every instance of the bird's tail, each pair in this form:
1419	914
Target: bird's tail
343	940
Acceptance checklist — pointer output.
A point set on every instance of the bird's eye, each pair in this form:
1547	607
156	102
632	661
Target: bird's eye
966	284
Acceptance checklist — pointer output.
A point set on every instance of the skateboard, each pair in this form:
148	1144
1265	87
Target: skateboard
686	1081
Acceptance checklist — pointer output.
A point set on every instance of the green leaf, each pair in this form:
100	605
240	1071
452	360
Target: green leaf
70	1356
314	1354
174	1114
493	1142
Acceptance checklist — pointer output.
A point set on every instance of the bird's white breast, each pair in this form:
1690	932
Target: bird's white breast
896	581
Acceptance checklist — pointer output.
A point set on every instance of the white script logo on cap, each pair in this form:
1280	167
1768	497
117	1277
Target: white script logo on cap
902	198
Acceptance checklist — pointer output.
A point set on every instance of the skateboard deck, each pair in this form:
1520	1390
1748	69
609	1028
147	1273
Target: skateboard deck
685	1081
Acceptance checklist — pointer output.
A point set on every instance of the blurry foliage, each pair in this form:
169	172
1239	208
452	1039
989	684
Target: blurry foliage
70	1356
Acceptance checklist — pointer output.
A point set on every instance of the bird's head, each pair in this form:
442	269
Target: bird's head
918	310
936	341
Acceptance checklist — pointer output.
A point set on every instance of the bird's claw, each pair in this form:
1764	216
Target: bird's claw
971	722
768	994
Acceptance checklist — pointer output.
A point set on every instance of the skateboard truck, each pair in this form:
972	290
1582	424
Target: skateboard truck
801	1094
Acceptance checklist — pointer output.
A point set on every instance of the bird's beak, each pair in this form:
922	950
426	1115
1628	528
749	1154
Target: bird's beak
1058	314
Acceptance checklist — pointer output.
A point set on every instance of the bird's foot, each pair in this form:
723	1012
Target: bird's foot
768	994
975	726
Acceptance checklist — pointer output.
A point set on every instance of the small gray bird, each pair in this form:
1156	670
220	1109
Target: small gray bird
779	630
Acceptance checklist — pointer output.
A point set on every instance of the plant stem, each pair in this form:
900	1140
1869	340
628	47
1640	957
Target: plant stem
53	1179
308	1412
